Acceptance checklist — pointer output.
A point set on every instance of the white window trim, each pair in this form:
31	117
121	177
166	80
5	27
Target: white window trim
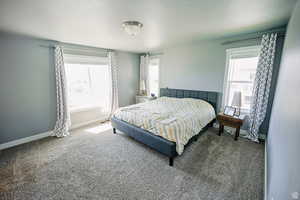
84	109
236	51
84	59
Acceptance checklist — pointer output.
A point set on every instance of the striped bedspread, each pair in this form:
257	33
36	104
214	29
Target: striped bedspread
174	119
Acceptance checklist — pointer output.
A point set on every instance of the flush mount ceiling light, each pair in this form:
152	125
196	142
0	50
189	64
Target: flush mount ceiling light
132	27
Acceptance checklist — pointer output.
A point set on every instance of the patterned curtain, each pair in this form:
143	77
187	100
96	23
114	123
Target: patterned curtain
262	84
114	82
63	121
144	64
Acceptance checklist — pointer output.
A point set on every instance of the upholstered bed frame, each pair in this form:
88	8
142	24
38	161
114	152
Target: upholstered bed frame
158	143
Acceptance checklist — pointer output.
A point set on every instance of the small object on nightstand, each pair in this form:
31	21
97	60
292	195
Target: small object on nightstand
142	88
234	122
237	102
229	111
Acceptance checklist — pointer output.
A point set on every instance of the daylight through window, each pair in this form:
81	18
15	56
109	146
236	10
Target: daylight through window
88	85
240	75
154	76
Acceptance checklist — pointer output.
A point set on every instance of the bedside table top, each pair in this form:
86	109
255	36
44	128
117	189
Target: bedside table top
145	97
233	119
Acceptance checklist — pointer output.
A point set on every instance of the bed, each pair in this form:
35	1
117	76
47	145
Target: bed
169	123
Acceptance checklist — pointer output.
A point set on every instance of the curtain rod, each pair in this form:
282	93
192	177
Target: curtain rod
151	54
156	54
47	46
78	48
279	31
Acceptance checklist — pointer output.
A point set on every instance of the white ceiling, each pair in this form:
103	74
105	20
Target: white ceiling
166	22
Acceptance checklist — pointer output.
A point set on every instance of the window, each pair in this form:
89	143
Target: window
88	83
154	75
240	75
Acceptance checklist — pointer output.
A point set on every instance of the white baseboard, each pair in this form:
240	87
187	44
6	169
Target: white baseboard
87	123
43	135
25	140
266	175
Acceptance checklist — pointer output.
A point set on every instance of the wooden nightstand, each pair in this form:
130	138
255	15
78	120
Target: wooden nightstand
234	122
142	99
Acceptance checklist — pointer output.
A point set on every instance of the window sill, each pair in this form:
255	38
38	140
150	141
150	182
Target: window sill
84	109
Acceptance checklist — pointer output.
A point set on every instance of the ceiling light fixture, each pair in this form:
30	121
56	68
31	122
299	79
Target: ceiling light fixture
132	27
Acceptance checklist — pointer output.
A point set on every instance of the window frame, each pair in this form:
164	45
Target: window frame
88	60
159	65
248	51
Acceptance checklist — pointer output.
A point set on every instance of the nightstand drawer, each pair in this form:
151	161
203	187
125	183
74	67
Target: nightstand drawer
230	123
228	120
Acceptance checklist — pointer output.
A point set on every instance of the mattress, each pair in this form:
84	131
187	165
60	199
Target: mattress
175	119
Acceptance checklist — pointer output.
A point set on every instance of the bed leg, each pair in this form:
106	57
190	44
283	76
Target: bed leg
171	161
114	131
195	138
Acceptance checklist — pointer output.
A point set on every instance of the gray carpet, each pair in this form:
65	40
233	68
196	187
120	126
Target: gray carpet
96	164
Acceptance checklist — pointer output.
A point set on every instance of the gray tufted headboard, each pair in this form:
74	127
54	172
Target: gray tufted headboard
211	97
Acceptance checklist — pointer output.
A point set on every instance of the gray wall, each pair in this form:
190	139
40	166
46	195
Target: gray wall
201	66
128	77
283	145
198	66
27	85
